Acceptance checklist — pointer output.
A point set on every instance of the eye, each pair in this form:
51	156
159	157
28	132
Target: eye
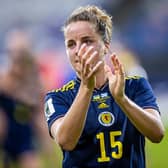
88	41
70	44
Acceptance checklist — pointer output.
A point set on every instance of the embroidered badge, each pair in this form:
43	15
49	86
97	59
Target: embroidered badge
106	118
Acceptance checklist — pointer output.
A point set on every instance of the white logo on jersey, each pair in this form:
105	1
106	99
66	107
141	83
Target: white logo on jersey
49	108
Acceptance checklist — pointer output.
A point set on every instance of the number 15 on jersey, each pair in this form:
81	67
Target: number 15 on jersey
114	144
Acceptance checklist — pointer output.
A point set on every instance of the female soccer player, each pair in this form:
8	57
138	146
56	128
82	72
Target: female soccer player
100	119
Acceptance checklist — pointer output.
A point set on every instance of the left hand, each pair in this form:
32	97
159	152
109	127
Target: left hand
116	78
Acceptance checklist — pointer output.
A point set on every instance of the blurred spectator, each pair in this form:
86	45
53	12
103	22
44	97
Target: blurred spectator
20	103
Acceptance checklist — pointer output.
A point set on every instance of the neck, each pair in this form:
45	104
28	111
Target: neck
100	78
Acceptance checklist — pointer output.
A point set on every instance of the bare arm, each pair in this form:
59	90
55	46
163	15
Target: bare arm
147	121
67	130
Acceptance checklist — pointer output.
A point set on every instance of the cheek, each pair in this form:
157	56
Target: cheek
71	58
100	50
70	55
103	49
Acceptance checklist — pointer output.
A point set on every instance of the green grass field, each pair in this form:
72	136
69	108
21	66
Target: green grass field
157	153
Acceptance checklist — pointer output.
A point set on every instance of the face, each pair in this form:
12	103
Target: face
79	33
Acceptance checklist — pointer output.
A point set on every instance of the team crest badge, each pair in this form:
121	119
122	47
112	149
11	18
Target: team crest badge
106	118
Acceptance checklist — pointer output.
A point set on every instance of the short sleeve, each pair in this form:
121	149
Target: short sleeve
55	107
144	95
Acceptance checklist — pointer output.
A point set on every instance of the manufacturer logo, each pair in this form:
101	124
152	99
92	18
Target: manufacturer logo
103	105
106	118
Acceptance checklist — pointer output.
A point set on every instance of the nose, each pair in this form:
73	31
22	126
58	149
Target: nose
77	48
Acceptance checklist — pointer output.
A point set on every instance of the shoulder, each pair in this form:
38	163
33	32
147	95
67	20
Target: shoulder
134	83
64	90
135	80
66	87
138	85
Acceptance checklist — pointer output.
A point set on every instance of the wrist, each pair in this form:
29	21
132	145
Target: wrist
85	89
122	100
87	86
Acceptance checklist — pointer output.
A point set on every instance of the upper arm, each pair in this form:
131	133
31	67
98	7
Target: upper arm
55	109
55	126
144	95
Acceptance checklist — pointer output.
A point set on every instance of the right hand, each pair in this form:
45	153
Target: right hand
89	66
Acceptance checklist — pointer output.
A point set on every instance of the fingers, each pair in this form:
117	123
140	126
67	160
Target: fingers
95	69
82	50
88	57
118	67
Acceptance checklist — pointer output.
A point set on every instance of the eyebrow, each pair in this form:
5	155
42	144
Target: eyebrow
87	37
82	38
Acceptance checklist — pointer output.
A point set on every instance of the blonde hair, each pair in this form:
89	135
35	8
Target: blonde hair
96	16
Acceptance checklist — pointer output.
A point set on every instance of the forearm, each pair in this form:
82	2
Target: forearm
147	121
69	130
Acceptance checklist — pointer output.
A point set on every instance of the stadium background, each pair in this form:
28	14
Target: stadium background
140	32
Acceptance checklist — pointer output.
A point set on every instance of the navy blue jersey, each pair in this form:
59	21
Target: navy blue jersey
109	139
19	130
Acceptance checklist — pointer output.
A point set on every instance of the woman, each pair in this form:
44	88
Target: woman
20	92
101	118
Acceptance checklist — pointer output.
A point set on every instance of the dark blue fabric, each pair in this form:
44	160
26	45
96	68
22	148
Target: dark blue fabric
19	131
106	123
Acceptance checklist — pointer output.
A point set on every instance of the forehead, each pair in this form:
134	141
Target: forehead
79	29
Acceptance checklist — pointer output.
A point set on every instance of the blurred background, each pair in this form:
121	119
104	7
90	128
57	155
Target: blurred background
140	38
